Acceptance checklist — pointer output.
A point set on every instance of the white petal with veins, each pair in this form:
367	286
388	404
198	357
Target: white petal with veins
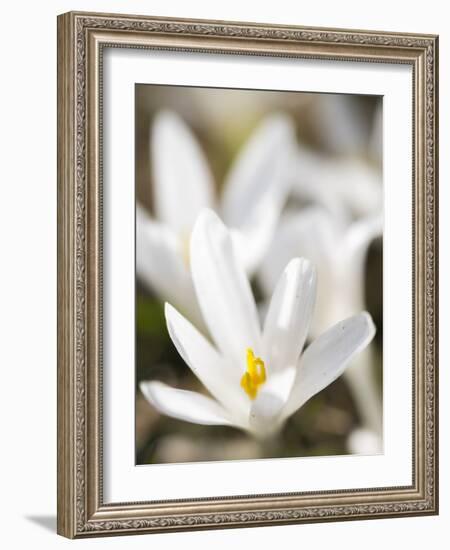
215	373
223	289
184	405
289	314
327	357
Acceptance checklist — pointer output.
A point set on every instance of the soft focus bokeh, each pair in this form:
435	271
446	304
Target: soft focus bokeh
338	166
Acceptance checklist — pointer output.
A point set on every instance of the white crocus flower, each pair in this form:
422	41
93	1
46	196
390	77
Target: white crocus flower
339	252
252	197
256	378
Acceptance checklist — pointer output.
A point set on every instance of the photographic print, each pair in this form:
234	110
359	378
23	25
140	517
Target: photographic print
259	299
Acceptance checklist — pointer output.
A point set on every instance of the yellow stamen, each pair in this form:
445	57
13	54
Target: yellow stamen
254	376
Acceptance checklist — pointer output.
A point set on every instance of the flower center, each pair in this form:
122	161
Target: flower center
254	376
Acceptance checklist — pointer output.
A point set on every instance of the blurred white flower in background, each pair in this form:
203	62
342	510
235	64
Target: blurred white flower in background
342	127
341	216
363	441
337	250
348	182
252	197
257	378
349	188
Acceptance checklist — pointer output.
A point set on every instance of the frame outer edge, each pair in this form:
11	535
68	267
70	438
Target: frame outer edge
436	251
434	134
78	431
66	523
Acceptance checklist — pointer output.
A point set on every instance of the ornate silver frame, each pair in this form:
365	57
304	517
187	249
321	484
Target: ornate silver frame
81	39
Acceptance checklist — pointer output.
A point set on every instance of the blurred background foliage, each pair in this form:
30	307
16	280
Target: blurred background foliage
222	120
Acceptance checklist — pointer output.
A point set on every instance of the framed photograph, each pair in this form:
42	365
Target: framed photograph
247	274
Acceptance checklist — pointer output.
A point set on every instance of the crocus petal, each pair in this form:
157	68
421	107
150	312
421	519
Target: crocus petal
307	233
256	188
182	183
159	264
184	405
223	290
266	410
327	357
215	373
258	170
314	234
265	415
289	315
